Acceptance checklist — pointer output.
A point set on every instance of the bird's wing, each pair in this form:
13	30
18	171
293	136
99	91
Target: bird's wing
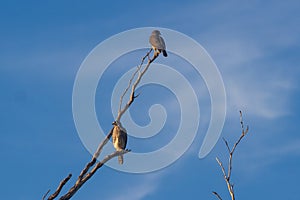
162	43
122	139
155	41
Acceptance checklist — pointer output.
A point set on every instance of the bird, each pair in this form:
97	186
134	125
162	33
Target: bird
119	138
158	43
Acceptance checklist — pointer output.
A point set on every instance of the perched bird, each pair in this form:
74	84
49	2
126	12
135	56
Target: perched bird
119	138
158	43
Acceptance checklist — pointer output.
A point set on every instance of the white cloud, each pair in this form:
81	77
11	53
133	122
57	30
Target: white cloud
253	80
262	157
246	51
140	189
258	98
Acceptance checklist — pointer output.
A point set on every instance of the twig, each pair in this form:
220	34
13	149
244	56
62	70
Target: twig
244	132
222	168
61	185
45	194
140	72
218	196
231	151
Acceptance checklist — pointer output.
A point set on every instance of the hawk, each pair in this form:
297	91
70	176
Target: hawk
119	138
158	43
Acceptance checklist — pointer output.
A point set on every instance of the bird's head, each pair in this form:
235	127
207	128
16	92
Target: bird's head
156	32
114	123
118	124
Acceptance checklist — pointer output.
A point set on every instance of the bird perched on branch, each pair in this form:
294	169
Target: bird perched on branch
119	138
158	43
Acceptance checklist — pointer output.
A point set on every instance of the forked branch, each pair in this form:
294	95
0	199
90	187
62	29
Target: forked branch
61	185
87	176
139	72
227	175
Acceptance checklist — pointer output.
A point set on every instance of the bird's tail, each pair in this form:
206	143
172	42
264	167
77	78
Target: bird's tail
165	53
120	158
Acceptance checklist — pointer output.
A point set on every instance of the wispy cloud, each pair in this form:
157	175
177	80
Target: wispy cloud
252	79
247	54
262	157
140	189
258	98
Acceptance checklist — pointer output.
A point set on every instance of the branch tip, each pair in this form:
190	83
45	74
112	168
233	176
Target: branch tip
217	195
231	151
61	185
45	195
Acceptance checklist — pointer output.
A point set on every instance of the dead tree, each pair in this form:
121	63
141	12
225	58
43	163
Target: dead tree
91	167
227	175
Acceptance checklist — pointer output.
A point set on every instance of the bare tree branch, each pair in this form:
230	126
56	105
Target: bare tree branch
222	168
61	185
227	145
217	195
244	132
80	182
101	145
140	73
131	79
45	195
87	172
231	151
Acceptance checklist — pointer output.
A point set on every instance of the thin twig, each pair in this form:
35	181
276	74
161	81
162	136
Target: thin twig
132	96
222	167
132	77
227	145
46	194
217	195
231	151
61	185
244	132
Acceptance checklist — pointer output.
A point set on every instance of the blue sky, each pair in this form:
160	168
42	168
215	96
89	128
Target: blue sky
254	44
